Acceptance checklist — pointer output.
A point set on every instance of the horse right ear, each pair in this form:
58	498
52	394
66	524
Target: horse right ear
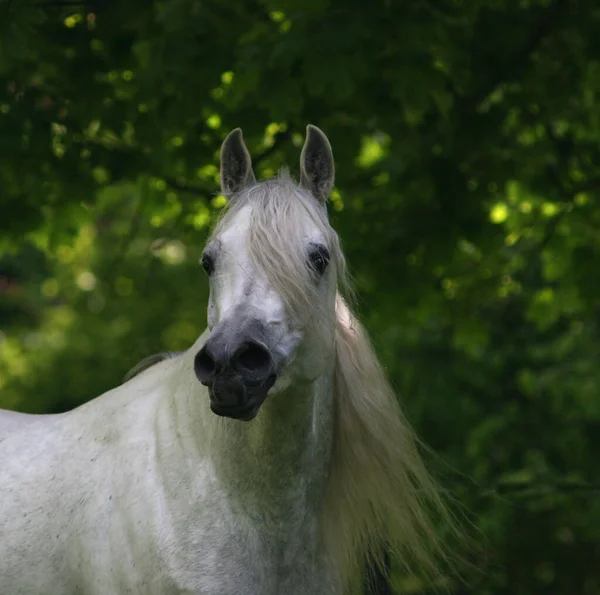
317	171
236	164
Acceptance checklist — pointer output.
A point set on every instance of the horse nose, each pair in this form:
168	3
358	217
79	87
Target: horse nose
206	366
251	360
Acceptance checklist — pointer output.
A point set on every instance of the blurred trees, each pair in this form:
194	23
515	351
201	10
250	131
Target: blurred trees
467	144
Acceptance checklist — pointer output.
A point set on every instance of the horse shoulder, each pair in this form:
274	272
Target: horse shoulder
61	477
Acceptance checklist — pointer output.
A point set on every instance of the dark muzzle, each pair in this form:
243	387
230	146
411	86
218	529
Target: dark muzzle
237	367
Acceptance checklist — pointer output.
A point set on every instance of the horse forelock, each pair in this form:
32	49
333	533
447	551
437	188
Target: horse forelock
281	221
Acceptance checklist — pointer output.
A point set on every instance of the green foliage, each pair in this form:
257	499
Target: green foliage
467	144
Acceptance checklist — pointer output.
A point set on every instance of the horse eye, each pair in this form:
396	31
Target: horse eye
319	259
208	264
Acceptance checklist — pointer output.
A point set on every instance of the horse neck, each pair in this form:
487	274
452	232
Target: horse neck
277	462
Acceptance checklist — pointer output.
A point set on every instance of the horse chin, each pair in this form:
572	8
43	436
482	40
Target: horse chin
239	413
245	404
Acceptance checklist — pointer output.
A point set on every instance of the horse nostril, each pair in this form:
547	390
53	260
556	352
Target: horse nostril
253	357
204	366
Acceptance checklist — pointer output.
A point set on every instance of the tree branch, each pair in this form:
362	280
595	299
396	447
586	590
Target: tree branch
515	63
89	5
529	489
280	139
175	184
62	4
183	187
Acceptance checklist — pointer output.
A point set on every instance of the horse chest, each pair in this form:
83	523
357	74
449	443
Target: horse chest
223	552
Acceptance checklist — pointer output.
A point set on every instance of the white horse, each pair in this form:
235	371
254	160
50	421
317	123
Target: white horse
270	458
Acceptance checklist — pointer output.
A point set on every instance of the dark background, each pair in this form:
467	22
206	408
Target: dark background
466	137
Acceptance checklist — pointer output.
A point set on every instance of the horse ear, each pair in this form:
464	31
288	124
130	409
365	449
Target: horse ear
317	171
236	164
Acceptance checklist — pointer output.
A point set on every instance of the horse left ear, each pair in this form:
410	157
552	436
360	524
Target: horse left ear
317	171
236	164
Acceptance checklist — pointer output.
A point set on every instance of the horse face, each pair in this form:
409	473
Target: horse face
272	302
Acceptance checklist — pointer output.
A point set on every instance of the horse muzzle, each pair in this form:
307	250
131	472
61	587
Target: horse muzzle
238	370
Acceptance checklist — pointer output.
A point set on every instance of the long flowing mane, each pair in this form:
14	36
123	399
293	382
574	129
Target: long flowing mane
380	495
